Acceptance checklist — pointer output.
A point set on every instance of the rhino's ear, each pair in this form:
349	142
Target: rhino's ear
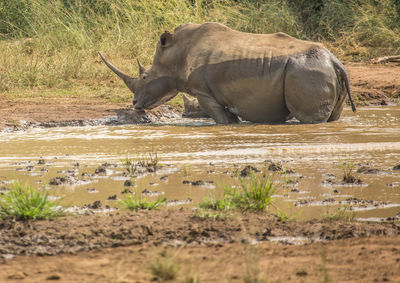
166	39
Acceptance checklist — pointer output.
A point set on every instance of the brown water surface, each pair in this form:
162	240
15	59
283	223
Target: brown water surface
199	150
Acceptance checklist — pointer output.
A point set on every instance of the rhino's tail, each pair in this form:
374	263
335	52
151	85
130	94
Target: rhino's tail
345	78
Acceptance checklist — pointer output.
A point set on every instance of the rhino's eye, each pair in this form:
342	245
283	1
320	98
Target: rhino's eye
144	77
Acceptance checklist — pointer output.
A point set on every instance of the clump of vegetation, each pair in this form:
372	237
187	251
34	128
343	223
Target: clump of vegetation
25	202
164	268
343	213
249	195
348	173
136	201
148	161
284	216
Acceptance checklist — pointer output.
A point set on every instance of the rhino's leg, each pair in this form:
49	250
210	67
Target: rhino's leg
218	112
310	88
337	111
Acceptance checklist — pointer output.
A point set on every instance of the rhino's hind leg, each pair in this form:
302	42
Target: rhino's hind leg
337	111
310	93
219	113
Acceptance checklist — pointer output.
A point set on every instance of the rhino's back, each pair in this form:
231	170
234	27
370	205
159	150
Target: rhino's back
212	43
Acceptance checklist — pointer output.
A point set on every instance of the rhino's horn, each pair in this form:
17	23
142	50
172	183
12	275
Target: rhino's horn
128	80
141	68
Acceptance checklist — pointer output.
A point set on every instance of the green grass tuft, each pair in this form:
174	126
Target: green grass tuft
249	195
134	202
26	202
343	213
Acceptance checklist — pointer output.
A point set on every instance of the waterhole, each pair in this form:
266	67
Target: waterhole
198	157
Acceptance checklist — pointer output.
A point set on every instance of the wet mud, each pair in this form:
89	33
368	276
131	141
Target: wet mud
177	227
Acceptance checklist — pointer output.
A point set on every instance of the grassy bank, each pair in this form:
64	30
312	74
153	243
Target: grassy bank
49	47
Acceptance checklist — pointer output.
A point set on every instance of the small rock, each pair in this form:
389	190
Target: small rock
92	190
275	167
95	205
397	167
100	170
126	191
164	178
198	183
113	197
62	180
248	170
301	273
367	170
53	277
128	183
41	161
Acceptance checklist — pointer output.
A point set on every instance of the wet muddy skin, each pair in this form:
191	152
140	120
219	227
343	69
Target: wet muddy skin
85	166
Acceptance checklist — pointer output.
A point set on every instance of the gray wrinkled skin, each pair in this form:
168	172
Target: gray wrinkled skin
260	78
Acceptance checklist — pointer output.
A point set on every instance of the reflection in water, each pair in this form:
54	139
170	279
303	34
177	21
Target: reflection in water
205	151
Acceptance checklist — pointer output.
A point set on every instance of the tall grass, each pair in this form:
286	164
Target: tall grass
52	44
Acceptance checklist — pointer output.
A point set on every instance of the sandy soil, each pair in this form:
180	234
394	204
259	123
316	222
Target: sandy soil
121	248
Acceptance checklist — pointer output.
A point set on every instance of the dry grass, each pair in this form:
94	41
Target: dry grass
52	45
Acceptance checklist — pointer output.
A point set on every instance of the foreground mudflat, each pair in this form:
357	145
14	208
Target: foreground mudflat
120	248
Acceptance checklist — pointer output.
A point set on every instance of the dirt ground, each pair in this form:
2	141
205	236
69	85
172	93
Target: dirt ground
123	247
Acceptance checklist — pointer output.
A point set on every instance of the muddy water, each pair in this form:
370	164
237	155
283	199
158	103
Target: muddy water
192	150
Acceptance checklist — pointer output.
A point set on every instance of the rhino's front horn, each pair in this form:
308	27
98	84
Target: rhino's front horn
128	80
141	68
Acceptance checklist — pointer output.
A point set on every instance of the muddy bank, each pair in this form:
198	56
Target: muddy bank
371	84
173	227
20	117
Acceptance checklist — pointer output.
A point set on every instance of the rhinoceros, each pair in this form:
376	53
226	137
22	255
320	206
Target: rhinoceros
235	76
192	109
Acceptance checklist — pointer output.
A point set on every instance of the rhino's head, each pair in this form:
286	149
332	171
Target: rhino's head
152	88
